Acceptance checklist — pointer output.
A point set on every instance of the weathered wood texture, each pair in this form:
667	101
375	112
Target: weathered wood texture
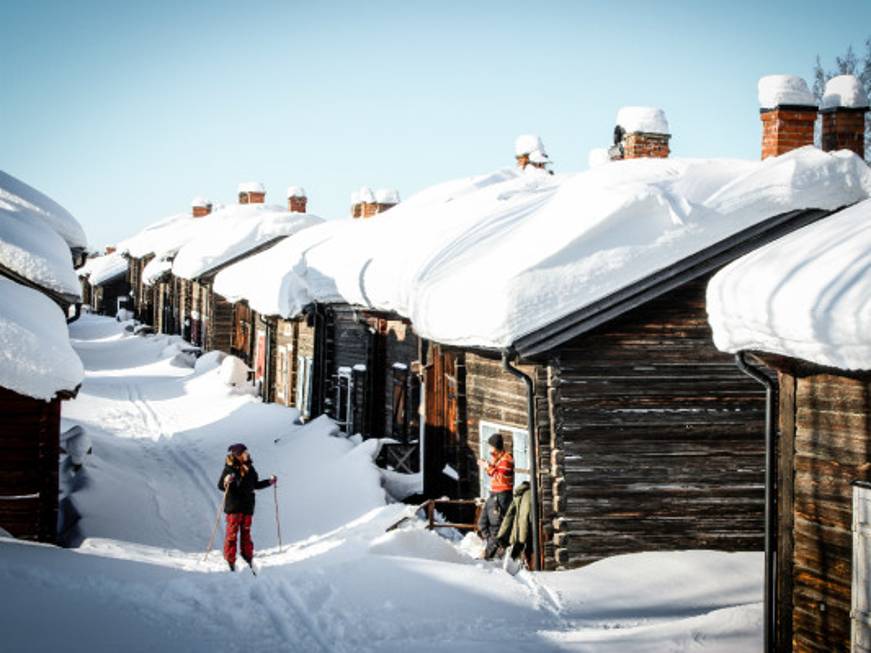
218	323
29	436
832	423
658	439
142	296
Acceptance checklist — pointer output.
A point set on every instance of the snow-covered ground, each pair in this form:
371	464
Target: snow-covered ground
147	496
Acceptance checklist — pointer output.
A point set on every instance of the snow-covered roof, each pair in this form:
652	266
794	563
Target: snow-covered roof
387	196
36	358
18	197
251	187
598	156
102	269
528	143
295	191
164	237
642	119
233	231
30	245
200	203
485	261
807	295
778	90
155	269
844	91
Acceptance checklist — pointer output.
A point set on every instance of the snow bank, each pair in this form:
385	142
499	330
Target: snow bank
642	119
844	91
35	354
777	90
102	269
418	543
234	372
807	295
18	197
234	231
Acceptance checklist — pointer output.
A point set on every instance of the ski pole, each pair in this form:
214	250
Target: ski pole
217	522
277	520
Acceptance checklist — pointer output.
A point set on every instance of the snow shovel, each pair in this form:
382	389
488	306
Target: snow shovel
217	522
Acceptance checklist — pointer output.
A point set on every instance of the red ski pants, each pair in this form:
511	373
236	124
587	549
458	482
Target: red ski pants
237	522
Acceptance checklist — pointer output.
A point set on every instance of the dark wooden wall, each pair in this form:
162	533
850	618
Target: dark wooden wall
401	346
218	327
106	296
29	437
657	439
825	446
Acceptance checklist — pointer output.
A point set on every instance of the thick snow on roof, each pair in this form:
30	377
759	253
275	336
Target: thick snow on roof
807	295
485	261
101	269
251	187
36	358
598	156
777	90
232	232
642	119
155	269
18	197
844	91
295	191
163	237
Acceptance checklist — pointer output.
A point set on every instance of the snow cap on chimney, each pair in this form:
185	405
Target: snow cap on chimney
843	112
296	199
200	207
788	112
251	192
645	132
386	198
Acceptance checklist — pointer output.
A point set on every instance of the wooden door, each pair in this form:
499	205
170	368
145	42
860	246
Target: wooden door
443	423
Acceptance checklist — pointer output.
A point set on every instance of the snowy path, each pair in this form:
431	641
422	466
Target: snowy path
137	581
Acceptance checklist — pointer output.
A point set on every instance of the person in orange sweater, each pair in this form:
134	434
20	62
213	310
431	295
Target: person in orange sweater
500	469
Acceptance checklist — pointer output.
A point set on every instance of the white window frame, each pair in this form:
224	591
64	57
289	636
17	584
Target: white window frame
520	454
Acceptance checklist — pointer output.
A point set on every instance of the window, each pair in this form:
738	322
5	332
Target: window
516	439
344	399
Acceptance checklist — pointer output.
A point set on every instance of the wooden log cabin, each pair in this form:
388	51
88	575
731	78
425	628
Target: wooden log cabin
647	436
41	369
806	321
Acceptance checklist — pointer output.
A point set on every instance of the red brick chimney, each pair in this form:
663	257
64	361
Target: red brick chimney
296	199
843	112
645	133
788	111
386	198
369	206
200	207
356	205
252	192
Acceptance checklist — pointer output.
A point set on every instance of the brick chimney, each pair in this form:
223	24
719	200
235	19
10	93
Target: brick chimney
356	205
200	207
296	199
386	198
251	192
788	111
644	133
524	147
843	112
367	200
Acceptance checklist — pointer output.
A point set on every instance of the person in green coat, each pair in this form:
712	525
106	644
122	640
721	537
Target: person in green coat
515	534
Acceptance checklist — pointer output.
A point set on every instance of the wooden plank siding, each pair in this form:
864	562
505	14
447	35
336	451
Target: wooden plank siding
831	416
658	439
30	437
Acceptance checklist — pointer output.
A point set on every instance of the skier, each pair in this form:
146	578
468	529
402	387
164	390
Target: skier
238	481
500	469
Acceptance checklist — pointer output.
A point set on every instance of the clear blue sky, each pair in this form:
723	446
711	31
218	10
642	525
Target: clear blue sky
123	111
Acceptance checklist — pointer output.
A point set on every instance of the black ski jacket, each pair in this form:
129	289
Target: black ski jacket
240	495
